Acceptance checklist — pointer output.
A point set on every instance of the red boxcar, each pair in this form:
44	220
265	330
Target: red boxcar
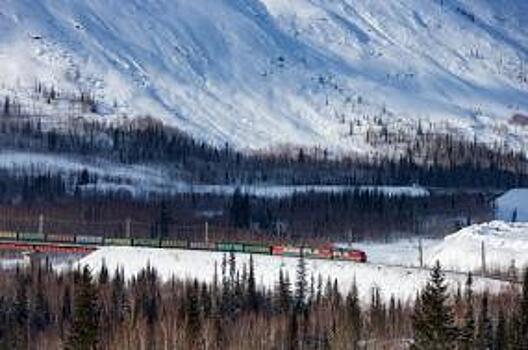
285	250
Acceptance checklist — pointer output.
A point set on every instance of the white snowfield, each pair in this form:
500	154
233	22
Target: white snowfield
513	201
266	73
401	282
505	244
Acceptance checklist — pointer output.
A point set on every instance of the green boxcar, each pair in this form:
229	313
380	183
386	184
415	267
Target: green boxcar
60	238
147	242
118	241
8	236
257	249
230	247
202	246
90	240
171	243
30	236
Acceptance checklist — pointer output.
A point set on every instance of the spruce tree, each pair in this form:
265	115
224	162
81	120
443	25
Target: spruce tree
484	339
501	334
284	293
65	312
523	313
433	323
467	333
164	221
300	285
103	277
253	298
193	318
353	312
84	328
118	299
20	313
293	331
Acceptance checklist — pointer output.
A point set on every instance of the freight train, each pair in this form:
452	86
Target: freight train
324	252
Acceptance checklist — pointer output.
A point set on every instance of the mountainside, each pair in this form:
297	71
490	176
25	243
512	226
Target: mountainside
266	73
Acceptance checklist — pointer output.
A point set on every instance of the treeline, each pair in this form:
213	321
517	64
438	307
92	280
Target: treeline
302	217
43	309
358	214
428	159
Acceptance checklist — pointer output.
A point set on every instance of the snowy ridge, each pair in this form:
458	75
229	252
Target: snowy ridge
505	243
266	73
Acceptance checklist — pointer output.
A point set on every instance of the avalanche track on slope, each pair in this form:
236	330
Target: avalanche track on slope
265	73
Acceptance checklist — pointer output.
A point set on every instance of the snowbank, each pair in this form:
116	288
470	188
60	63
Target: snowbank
400	282
504	243
511	201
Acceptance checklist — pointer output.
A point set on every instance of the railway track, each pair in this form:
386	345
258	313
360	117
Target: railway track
69	248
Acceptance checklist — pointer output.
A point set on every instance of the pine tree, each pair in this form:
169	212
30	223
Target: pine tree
300	285
193	317
206	301
501	334
65	312
353	312
467	333
484	339
103	274
7	106
118	300
165	220
514	216
523	313
433	323
84	328
253	298
20	312
40	313
284	293
293	331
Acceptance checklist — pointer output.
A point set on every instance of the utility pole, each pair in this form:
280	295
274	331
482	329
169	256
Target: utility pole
41	224
128	224
483	256
206	232
420	253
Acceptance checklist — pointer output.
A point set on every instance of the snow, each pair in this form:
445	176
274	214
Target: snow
392	267
403	252
511	201
401	282
504	243
265	73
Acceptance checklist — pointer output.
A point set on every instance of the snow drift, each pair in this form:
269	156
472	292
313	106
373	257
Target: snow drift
505	244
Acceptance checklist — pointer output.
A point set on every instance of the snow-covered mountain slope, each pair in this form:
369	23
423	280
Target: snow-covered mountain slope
261	73
513	205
